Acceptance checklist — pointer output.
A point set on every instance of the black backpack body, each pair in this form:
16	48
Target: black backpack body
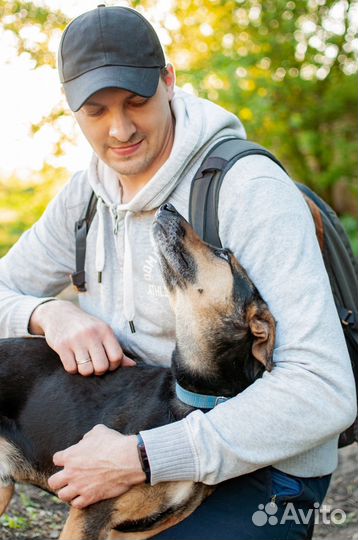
340	263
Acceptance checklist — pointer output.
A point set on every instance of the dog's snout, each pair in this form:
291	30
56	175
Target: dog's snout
168	208
166	211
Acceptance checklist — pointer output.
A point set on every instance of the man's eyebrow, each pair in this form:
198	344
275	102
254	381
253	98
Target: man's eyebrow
93	103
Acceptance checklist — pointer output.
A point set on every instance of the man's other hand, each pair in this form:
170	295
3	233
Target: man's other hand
104	464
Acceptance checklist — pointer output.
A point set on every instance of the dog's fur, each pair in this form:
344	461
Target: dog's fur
224	341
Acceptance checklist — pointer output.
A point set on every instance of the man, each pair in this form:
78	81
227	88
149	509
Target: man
278	439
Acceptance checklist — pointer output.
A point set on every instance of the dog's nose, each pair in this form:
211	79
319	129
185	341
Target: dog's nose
168	207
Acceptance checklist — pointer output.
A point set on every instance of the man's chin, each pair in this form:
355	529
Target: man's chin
126	165
127	169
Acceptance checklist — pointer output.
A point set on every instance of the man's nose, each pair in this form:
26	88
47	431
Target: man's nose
121	128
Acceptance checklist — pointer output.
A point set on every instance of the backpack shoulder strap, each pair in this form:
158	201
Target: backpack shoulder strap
81	230
205	187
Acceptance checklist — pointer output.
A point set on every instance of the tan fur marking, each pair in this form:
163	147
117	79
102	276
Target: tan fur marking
143	501
6	494
170	522
74	526
8	455
205	304
138	503
196	314
14	465
179	492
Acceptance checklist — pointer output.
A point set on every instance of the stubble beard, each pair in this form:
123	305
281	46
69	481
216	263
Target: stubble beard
130	166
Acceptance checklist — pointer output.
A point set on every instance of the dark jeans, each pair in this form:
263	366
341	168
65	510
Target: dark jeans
254	507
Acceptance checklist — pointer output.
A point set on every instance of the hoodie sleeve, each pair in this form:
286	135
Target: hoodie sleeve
37	267
292	416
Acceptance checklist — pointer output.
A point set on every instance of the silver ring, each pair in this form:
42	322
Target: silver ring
83	361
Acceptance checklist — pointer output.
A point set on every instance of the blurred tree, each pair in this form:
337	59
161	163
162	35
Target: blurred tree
22	203
32	26
34	29
287	69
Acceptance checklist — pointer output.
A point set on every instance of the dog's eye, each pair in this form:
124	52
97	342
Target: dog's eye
223	254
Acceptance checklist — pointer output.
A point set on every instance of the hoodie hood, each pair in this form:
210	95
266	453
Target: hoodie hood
199	125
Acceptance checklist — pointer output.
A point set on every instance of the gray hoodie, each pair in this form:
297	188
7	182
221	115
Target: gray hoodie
292	416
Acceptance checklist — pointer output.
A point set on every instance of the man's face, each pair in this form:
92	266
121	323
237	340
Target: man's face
133	135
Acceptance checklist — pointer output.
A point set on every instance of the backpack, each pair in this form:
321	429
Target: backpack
340	263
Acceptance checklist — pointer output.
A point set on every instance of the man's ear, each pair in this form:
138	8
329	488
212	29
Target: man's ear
169	80
263	328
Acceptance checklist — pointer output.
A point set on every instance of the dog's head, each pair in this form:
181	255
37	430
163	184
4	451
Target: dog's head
224	329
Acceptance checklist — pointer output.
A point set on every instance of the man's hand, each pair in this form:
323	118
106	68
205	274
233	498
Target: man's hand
104	464
84	343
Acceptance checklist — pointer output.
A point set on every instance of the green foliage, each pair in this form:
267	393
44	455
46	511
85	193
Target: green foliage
14	522
283	70
350	225
29	509
21	204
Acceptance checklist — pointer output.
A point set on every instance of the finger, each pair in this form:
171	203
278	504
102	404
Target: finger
84	362
57	481
68	361
113	350
128	362
67	494
58	458
99	359
80	502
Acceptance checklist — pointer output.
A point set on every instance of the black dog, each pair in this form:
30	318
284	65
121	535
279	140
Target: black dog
224	341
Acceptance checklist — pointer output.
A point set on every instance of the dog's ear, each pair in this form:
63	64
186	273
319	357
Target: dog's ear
263	328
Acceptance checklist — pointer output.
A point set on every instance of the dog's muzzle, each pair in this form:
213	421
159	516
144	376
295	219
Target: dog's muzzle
178	265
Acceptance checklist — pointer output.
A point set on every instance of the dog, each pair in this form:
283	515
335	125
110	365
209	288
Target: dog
225	337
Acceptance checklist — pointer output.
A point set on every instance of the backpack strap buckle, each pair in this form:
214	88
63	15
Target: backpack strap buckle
349	318
79	281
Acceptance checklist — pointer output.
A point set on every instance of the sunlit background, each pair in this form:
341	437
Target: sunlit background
30	95
287	68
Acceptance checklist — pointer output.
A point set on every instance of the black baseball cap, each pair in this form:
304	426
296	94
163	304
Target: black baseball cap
109	47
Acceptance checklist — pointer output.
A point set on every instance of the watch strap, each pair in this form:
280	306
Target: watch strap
143	458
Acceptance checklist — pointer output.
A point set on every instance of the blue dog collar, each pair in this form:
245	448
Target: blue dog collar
199	401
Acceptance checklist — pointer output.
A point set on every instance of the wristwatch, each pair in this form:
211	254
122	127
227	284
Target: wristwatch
143	458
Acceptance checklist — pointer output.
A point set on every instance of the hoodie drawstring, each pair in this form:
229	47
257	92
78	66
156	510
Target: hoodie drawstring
128	288
100	252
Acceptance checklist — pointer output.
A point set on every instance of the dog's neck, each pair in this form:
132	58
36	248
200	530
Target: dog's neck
226	371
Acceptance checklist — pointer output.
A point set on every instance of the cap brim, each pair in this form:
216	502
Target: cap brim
141	81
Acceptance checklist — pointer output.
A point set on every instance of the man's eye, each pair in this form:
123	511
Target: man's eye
94	112
137	102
